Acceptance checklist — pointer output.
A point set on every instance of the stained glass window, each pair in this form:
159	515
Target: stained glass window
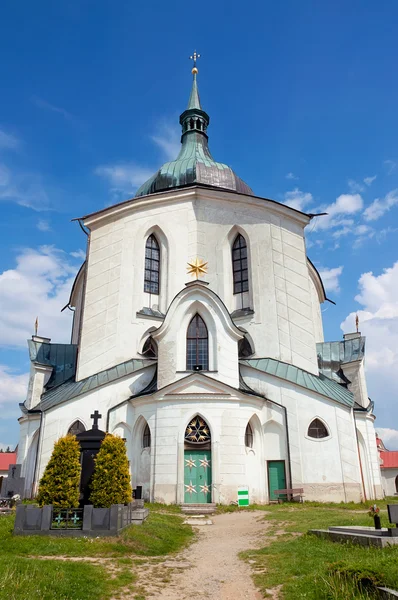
317	429
239	265
152	266
197	345
249	436
76	427
146	438
197	431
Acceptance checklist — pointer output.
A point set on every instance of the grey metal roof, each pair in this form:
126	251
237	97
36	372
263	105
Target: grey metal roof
71	389
62	357
332	355
319	384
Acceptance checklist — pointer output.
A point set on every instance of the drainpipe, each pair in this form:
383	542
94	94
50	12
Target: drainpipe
38	451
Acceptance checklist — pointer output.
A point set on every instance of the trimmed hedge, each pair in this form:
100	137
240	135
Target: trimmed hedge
111	479
59	485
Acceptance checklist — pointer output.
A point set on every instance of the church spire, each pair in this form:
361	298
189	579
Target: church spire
194	100
194	119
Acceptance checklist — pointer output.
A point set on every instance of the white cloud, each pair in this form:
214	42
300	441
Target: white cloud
297	199
389	437
43	225
369	180
51	107
291	176
381	205
124	177
8	141
355	186
378	321
168	140
79	254
25	189
39	286
13	388
391	166
330	278
345	204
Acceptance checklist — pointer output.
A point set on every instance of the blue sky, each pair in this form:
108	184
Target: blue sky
302	99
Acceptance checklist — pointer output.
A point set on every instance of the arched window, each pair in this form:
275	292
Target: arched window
249	436
197	345
152	266
239	265
244	348
150	348
76	428
198	431
396	484
317	429
146	438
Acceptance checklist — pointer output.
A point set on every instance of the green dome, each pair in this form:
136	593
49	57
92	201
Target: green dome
194	164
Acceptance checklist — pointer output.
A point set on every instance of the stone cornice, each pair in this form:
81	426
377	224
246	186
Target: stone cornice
191	193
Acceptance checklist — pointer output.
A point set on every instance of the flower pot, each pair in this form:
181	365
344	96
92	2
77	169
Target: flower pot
377	522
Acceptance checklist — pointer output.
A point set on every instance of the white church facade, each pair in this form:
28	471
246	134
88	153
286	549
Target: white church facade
218	381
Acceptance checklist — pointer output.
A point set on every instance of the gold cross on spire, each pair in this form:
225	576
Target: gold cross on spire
194	57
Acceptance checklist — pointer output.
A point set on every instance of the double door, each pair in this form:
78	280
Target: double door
197	476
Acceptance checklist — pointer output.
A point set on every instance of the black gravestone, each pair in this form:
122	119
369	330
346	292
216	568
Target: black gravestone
393	513
14	483
90	443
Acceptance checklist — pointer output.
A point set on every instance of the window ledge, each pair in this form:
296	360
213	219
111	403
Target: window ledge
202	371
149	313
242	312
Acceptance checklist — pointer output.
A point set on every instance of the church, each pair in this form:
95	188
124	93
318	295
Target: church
197	335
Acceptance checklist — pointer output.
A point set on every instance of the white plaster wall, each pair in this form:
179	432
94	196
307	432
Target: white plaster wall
316	312
57	421
328	469
388	477
197	223
371	462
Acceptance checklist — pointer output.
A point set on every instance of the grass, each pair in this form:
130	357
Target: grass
316	569
23	575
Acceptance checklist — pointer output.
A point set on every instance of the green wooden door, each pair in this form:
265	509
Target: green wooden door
197	476
276	477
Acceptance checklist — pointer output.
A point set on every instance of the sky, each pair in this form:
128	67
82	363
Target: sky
302	99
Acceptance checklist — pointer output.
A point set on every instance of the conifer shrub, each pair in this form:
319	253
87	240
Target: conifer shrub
110	483
59	485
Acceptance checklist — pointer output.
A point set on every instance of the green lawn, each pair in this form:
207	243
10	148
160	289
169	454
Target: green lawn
24	576
316	569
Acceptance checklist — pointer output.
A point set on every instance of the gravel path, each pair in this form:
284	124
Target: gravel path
210	568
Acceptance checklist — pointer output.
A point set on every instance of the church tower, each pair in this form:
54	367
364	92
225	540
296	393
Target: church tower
198	333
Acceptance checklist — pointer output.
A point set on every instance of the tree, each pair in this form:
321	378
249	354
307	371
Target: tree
59	485
111	483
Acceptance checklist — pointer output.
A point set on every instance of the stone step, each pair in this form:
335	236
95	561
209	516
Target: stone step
198	509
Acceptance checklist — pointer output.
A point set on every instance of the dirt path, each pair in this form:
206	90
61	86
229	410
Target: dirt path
211	568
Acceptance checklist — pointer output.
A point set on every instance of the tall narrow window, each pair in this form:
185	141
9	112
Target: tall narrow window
239	265
249	436
146	438
152	266
197	345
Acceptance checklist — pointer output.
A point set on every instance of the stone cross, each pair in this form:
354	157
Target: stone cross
96	416
194	57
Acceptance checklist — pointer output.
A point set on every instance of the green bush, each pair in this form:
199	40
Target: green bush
59	485
110	483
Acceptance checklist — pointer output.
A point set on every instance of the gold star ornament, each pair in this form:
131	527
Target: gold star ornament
197	267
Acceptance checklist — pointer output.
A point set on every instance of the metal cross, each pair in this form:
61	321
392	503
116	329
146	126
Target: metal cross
59	519
75	519
194	57
96	416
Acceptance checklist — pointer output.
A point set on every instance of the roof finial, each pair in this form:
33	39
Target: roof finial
36	325
194	57
357	323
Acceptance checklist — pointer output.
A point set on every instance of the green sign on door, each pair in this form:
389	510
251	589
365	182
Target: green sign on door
197	476
276	477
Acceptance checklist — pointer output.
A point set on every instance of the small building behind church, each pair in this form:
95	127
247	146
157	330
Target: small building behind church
198	335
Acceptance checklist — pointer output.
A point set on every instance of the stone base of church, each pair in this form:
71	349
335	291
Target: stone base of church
335	492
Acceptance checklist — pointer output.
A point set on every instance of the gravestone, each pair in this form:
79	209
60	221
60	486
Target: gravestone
90	443
14	483
393	513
